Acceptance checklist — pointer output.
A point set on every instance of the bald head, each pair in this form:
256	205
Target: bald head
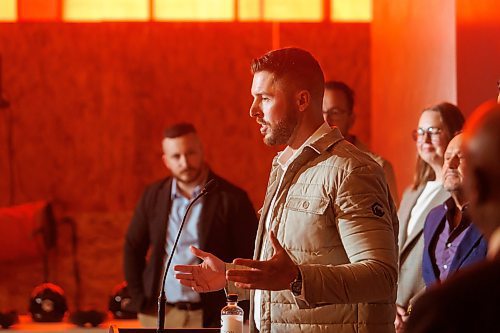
482	174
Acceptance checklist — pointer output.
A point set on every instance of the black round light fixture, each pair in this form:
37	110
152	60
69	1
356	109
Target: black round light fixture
48	303
119	301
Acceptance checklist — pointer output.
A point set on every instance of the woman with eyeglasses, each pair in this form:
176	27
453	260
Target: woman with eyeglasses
436	127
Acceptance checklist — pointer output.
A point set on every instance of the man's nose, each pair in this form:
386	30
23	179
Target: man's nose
255	110
183	161
454	162
427	137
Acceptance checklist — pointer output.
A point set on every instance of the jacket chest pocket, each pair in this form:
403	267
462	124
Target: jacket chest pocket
309	225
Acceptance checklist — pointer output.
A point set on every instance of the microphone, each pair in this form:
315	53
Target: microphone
162	299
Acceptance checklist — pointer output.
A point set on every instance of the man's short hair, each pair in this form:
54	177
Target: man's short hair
341	86
178	130
296	67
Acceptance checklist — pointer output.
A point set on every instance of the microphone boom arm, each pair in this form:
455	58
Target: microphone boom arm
162	299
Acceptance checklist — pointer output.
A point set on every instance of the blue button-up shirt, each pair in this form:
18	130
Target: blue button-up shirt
176	292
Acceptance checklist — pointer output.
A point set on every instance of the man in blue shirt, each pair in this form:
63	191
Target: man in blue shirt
223	221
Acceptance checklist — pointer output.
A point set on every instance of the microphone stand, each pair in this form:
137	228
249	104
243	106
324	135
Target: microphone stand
162	299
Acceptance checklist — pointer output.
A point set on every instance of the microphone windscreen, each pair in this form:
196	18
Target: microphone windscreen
211	184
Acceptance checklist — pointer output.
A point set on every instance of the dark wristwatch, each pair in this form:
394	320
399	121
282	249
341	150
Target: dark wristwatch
296	285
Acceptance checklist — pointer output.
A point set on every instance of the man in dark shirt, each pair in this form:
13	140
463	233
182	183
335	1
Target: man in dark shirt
223	222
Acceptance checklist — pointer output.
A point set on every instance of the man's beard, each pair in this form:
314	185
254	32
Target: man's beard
282	131
452	185
189	176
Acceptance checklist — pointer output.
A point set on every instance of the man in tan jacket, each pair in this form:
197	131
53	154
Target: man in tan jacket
325	256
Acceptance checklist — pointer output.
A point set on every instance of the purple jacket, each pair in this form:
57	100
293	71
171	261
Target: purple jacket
472	248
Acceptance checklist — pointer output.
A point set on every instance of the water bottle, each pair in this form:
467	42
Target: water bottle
231	316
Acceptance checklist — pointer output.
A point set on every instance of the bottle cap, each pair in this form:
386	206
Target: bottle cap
232	297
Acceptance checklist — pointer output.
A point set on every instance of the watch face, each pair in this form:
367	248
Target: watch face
296	288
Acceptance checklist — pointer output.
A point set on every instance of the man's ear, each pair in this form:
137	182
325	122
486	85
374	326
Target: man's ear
303	99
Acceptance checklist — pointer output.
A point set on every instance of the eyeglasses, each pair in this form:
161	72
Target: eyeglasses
420	134
336	112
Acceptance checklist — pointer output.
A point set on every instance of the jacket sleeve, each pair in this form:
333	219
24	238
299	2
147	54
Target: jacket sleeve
391	181
367	224
135	249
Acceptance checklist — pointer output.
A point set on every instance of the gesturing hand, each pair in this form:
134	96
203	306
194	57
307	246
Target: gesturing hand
273	274
204	277
401	317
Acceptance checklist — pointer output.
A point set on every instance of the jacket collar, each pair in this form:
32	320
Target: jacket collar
320	145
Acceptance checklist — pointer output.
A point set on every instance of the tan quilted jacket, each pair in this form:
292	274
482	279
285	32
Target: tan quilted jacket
334	216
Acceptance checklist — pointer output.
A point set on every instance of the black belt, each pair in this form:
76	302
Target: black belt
186	306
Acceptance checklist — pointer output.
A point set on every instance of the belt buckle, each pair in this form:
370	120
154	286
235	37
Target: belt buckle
186	306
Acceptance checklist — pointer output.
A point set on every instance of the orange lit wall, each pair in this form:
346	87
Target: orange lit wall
413	66
88	106
478	52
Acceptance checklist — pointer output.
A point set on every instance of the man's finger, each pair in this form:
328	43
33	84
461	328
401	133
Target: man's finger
274	241
182	276
184	268
188	283
244	276
249	263
199	253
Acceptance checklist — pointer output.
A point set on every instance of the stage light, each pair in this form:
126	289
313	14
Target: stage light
7	319
48	303
119	301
